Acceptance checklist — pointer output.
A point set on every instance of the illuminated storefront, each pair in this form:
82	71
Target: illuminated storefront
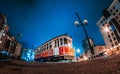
27	55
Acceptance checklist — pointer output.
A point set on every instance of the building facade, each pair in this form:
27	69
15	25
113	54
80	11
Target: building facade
56	49
17	52
109	25
99	49
3	30
8	42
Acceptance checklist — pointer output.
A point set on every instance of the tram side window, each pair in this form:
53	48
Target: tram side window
44	47
47	46
41	49
69	41
50	45
58	42
65	40
55	43
61	42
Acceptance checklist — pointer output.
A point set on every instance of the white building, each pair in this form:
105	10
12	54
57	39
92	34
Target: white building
109	25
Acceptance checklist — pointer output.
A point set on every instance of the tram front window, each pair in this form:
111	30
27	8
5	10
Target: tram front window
65	40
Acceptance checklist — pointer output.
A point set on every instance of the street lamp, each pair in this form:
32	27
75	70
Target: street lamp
78	50
82	24
106	29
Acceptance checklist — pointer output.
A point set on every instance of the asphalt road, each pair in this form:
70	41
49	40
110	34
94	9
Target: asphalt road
110	65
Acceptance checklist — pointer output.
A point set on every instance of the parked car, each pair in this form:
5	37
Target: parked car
4	55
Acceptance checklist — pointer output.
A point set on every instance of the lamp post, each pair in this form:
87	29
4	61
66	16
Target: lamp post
82	24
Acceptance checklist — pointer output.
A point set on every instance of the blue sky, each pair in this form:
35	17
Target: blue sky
40	20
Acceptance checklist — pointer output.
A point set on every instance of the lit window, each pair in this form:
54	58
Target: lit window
106	29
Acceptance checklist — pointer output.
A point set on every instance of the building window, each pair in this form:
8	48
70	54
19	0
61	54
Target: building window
112	33
113	7
108	36
103	24
116	10
112	45
104	19
110	10
113	13
108	25
117	48
116	17
107	32
110	40
114	38
116	43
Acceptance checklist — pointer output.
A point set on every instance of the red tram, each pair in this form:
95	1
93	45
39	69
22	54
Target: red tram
56	49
